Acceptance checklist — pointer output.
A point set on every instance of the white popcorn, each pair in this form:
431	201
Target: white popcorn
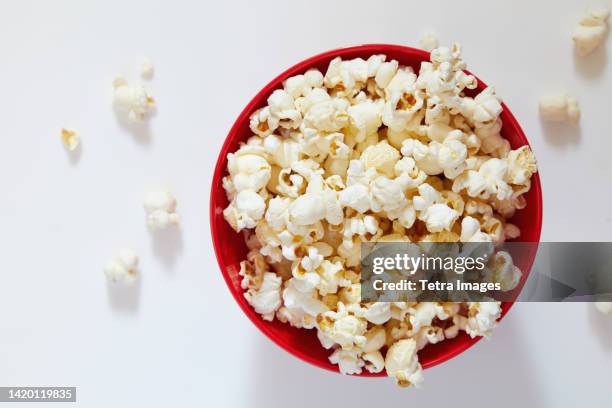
382	157
70	139
247	208
439	217
147	69
483	318
132	100
267	298
348	361
426	157
604	307
248	171
560	108
374	361
470	231
262	122
591	31
428	41
504	271
521	165
300	309
160	207
344	328
365	119
424	313
373	152
378	313
123	267
402	363
282	107
328	116
375	339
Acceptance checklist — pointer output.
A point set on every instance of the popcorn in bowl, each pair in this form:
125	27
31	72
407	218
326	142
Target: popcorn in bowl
371	151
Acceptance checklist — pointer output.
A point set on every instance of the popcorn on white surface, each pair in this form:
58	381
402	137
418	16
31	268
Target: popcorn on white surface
147	70
428	41
560	108
371	151
591	31
132	100
160	207
123	267
70	139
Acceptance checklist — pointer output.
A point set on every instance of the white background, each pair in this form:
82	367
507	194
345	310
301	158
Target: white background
179	339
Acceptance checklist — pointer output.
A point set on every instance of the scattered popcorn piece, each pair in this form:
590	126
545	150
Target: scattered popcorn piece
70	138
560	108
132	100
160	207
428	41
123	267
147	69
604	307
591	31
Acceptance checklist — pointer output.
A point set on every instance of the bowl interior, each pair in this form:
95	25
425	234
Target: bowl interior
231	250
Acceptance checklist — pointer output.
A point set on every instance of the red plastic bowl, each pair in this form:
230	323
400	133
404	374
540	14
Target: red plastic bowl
231	250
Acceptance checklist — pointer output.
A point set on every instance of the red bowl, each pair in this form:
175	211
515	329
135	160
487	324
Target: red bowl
231	250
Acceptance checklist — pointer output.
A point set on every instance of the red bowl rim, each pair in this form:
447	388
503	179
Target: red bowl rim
220	166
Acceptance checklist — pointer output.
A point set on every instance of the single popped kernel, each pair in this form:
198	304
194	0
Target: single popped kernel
560	108
123	267
160	207
70	139
591	31
132	100
147	70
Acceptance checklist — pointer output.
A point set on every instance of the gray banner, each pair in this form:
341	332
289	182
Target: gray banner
37	394
513	271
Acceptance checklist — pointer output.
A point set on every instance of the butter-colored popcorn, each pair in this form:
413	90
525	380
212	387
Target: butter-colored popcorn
123	267
374	361
591	31
402	363
132	100
560	108
160	207
382	157
70	139
604	307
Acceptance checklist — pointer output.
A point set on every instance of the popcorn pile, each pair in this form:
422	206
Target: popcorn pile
371	151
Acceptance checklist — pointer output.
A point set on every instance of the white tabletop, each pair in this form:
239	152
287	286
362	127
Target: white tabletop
180	339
